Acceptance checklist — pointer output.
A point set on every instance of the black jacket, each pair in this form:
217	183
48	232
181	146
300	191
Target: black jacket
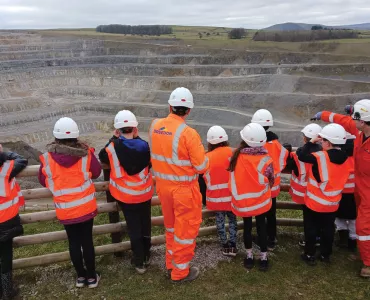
271	136
132	160
336	156
306	148
19	162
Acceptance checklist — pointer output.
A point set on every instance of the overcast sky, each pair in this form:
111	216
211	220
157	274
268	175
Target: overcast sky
231	13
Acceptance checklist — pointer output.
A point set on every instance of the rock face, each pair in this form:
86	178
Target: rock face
43	79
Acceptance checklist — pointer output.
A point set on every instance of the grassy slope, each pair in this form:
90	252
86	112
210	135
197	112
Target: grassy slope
288	278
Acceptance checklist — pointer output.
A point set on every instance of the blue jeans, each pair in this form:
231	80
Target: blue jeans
233	227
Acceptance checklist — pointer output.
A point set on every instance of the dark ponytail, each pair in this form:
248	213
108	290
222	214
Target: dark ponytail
235	156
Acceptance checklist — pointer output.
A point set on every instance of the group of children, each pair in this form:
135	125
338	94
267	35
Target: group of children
242	182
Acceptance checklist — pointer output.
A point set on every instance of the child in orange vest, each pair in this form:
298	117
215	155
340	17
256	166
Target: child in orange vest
347	212
131	184
11	164
218	196
250	182
67	169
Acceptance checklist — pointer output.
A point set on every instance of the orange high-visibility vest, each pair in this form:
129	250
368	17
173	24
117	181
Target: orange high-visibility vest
173	161
218	195
349	187
10	195
298	184
279	156
325	196
137	188
72	188
251	193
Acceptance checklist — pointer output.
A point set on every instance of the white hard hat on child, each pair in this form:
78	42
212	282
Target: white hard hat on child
181	97
334	133
312	130
254	135
66	128
361	110
216	135
125	118
263	117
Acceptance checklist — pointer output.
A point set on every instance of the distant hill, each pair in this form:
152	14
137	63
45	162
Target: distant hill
304	26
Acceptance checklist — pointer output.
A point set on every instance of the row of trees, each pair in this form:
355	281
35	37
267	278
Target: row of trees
304	36
135	30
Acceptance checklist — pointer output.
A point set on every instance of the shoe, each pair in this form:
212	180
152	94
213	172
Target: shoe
264	265
325	259
193	274
80	282
365	272
271	244
309	260
233	252
93	283
343	239
141	269
352	245
302	243
9	292
249	263
225	249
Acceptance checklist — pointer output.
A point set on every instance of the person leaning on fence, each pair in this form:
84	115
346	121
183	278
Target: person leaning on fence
279	156
66	169
11	164
250	182
326	180
300	170
178	156
218	195
131	184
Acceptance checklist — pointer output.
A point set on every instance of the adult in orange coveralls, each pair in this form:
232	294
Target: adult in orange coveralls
178	157
359	125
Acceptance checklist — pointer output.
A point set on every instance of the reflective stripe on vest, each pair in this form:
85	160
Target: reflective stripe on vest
56	193
351	176
128	191
170	252
183	266
282	161
252	208
324	166
75	203
219	200
321	201
3	174
322	187
183	241
349	185
331	117
171	230
363	238
295	192
175	178
214	187
116	165
10	203
275	188
299	182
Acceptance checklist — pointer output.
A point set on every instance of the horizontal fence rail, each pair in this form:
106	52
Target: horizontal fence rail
115	227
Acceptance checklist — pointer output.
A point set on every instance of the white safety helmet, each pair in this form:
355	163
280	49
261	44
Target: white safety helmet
181	97
254	135
361	110
334	133
350	136
125	118
263	117
66	128
216	135
312	130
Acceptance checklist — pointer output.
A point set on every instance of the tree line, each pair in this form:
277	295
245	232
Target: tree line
135	30
304	36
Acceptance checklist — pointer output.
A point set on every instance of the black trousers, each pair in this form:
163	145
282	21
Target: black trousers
322	223
261	232
6	256
81	248
139	229
271	221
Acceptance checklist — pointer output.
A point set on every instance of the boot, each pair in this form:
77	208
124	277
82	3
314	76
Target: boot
343	238
352	245
193	274
365	272
9	292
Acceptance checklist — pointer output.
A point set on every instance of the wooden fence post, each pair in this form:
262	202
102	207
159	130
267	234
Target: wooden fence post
113	216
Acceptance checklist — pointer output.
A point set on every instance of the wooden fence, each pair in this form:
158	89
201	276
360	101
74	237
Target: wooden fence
115	227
